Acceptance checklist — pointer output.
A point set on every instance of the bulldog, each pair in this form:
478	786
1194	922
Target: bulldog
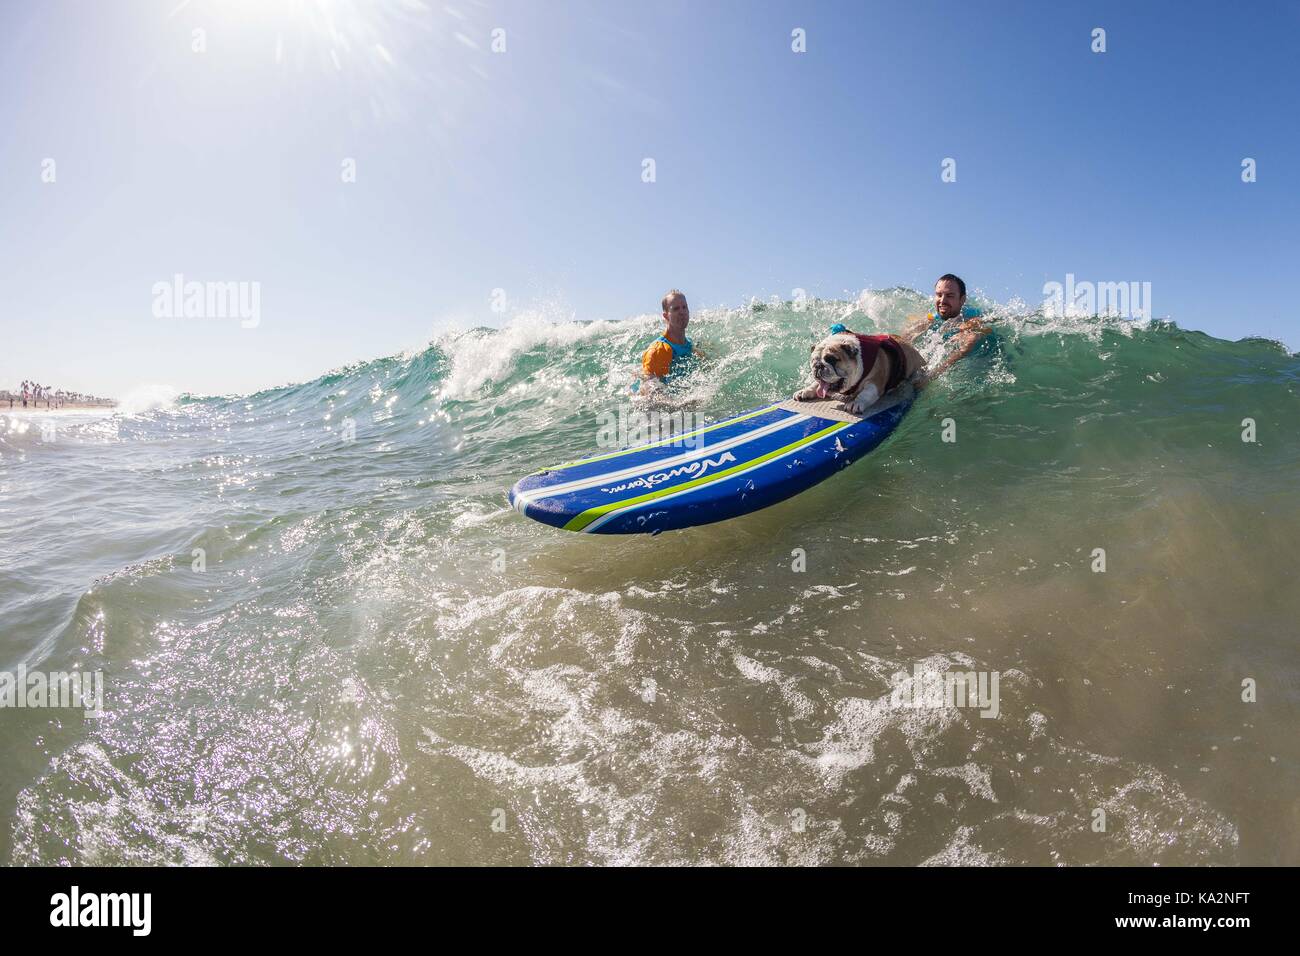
858	369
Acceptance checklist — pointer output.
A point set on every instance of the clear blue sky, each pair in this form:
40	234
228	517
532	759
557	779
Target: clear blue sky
522	170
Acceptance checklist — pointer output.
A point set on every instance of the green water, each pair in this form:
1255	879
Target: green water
381	663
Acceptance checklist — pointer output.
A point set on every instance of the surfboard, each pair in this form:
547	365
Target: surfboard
708	474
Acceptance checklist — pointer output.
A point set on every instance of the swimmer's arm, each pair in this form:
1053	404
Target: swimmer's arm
654	365
915	325
965	344
976	325
656	361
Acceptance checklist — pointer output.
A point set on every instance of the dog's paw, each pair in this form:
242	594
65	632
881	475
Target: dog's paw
860	404
863	400
805	394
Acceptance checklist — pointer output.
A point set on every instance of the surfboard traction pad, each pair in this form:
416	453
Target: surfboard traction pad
827	407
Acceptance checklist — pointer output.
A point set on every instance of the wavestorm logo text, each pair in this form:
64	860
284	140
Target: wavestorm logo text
695	469
179	299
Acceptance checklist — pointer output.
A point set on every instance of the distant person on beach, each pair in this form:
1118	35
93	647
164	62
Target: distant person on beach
671	353
953	318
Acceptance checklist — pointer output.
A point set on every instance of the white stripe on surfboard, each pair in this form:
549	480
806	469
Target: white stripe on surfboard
532	496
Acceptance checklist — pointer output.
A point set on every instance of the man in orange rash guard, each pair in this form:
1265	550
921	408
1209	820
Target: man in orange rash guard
668	353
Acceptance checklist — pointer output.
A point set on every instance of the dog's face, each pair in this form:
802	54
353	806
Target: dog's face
837	362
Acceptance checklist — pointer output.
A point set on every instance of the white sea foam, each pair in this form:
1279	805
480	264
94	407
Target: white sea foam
482	356
147	398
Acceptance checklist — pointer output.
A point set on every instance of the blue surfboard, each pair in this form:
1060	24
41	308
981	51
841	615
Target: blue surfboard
708	474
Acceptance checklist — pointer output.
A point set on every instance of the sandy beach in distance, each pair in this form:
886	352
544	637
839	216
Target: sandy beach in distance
14	403
32	407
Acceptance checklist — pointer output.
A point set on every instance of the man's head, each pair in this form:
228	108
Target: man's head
677	314
949	296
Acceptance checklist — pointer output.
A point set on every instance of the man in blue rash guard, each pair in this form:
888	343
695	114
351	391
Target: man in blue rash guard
954	320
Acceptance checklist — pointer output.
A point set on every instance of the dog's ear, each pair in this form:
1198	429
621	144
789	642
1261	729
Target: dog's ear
812	348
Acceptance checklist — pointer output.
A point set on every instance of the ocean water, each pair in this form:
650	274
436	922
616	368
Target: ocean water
326	639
